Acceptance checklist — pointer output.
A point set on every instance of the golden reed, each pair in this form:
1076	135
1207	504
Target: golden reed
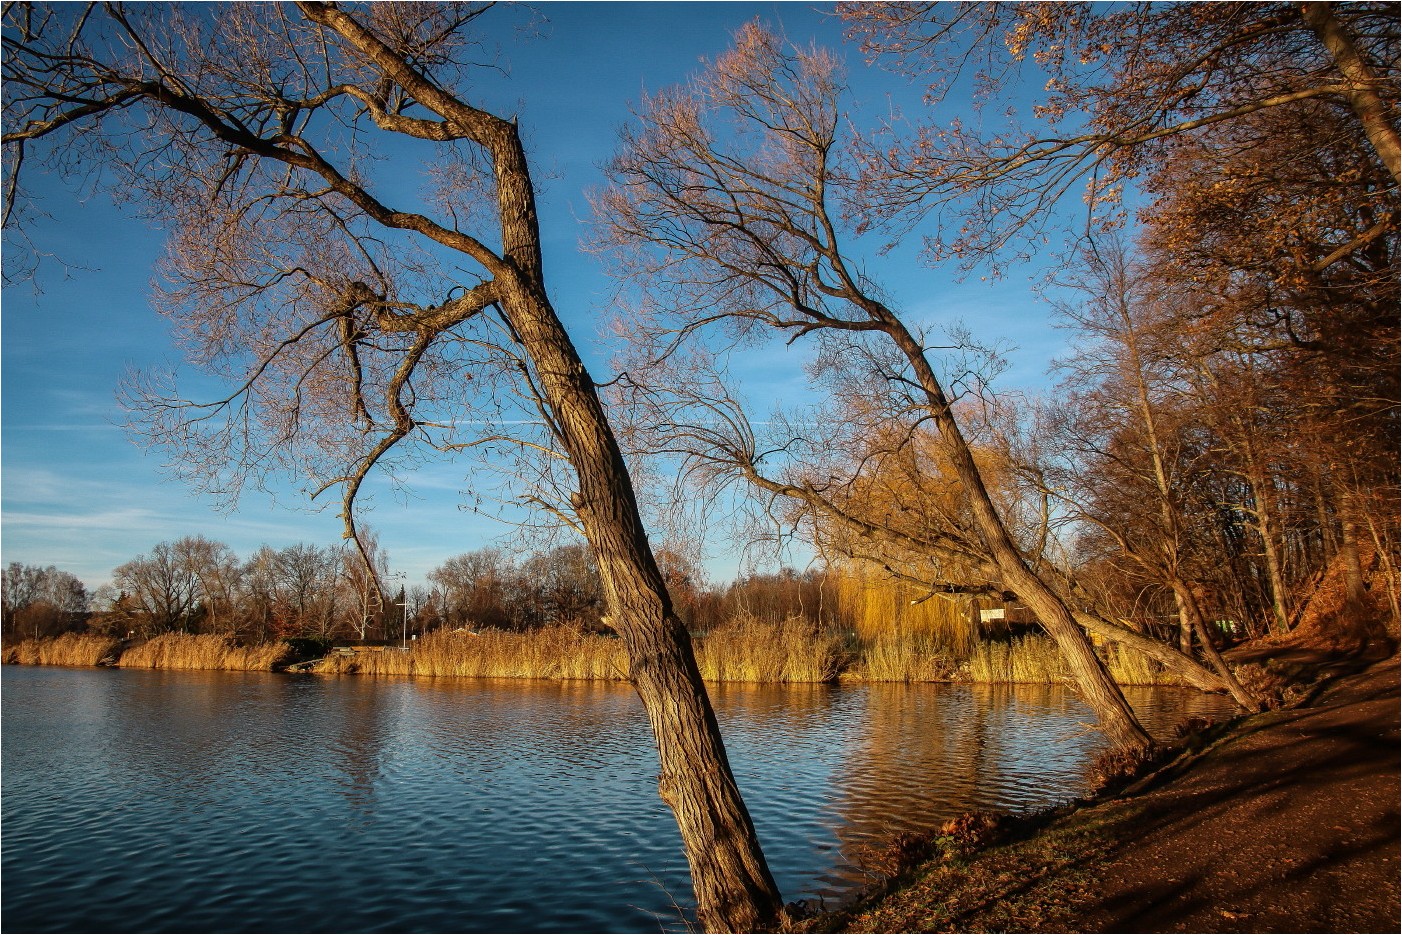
744	650
202	651
1036	660
69	649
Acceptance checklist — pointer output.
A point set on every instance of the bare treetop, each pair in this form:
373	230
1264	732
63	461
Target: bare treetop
300	269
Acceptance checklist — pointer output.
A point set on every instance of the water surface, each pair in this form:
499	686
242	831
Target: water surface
143	801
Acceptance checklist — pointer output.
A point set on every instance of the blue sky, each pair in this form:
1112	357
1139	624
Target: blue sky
75	492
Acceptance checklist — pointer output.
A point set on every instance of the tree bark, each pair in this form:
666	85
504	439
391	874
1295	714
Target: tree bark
1098	689
734	889
1193	620
1266	528
1363	94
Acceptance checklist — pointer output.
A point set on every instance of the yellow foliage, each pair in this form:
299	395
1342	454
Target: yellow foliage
881	609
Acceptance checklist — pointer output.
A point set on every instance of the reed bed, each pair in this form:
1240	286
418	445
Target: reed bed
893	658
749	651
745	650
1025	659
549	653
202	651
1133	668
68	649
1036	659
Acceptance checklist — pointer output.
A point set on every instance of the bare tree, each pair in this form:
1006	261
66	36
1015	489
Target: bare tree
356	322
35	599
1129	383
722	202
164	585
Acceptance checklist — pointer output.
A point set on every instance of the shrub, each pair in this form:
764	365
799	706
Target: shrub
305	648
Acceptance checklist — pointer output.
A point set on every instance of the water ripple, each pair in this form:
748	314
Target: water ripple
151	801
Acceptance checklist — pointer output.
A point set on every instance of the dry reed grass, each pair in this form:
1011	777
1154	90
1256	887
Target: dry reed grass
68	649
746	650
1132	668
1025	659
202	651
899	658
1036	659
549	653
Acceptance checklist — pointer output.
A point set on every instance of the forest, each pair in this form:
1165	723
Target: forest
1214	188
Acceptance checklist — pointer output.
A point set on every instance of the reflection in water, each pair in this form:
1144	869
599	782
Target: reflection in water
175	801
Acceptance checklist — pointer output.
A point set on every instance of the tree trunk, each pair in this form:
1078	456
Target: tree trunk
1097	688
1185	667
733	885
1362	95
1185	625
1275	574
1355	591
1193	619
734	889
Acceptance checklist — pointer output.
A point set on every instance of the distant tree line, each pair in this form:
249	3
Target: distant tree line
196	585
41	601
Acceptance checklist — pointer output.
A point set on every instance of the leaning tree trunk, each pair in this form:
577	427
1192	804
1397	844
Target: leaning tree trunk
1192	618
1097	688
733	885
734	889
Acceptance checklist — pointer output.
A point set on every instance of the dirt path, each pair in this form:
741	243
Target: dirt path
1287	823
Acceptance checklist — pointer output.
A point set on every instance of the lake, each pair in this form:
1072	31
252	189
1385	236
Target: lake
153	801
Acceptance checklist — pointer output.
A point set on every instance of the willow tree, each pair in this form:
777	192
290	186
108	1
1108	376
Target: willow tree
724	203
357	322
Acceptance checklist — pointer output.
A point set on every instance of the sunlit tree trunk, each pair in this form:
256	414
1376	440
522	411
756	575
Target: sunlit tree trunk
1098	689
1363	97
733	886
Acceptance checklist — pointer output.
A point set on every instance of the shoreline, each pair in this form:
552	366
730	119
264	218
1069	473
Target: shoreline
1257	824
759	655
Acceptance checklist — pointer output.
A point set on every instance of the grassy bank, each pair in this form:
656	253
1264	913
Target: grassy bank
744	651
